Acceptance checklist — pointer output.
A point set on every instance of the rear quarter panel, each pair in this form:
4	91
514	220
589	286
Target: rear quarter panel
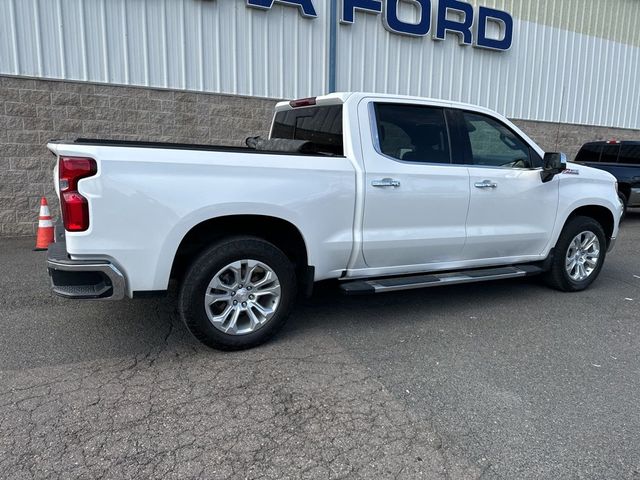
144	201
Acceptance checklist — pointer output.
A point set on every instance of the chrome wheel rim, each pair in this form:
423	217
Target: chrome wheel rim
582	256
242	297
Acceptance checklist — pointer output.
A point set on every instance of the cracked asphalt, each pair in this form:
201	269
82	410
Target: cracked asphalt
500	380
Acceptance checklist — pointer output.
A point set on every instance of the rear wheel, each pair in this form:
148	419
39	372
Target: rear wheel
579	255
237	293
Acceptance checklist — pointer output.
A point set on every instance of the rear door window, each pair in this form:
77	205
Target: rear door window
630	154
412	133
589	152
320	125
610	153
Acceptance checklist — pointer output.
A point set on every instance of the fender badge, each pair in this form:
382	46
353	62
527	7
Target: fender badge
569	171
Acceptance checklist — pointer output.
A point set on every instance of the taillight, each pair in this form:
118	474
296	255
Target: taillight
75	208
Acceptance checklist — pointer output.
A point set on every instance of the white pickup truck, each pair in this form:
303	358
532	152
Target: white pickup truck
380	192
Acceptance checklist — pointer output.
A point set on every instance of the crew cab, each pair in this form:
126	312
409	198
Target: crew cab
378	192
622	160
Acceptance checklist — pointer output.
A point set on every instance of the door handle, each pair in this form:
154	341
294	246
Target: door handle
386	182
486	184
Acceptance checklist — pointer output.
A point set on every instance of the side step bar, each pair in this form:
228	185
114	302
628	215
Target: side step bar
393	284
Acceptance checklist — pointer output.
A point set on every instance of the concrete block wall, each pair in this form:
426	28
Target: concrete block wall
568	138
33	111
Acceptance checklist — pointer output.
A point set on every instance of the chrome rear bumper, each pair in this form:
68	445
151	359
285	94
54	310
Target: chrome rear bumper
83	279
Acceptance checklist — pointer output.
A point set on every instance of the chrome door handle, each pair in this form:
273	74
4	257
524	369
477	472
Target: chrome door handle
386	182
486	184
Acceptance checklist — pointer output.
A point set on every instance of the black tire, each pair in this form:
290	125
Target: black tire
208	264
623	199
557	277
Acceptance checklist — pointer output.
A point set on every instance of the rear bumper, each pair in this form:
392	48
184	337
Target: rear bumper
83	279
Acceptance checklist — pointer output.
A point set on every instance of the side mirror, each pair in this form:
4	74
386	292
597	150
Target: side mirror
554	163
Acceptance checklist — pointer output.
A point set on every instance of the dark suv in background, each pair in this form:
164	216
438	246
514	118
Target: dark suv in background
622	160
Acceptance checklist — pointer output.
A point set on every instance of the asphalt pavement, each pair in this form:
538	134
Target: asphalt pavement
497	380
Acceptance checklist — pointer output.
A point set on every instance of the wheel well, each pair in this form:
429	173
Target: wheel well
280	233
602	215
625	189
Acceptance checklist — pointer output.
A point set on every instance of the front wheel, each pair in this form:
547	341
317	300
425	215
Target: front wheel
579	255
237	293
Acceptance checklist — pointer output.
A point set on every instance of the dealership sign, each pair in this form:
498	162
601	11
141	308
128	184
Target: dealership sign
440	17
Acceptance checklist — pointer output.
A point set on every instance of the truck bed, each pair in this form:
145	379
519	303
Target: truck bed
179	146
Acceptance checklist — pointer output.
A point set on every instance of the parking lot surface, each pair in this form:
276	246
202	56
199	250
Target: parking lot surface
495	380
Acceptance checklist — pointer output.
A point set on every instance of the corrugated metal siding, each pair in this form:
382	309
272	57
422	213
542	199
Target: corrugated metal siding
215	46
548	75
556	71
607	19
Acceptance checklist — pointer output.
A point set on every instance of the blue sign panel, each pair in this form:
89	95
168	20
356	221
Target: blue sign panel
394	24
489	14
306	6
350	6
460	25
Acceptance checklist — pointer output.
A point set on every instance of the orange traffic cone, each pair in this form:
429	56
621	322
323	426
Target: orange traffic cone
45	227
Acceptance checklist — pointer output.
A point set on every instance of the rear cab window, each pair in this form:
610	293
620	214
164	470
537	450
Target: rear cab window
321	125
610	153
630	154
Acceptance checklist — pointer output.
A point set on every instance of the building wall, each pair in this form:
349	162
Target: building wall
552	72
218	46
569	137
609	19
565	58
35	111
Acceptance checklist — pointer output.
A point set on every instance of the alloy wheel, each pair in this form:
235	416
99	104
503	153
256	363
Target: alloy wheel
582	256
242	297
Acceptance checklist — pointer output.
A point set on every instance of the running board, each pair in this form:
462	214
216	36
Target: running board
393	284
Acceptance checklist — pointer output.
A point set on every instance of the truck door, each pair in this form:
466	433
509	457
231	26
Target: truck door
511	211
416	198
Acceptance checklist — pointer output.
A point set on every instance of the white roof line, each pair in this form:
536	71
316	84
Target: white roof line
342	97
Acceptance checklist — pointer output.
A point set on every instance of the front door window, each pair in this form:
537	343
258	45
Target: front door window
493	144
